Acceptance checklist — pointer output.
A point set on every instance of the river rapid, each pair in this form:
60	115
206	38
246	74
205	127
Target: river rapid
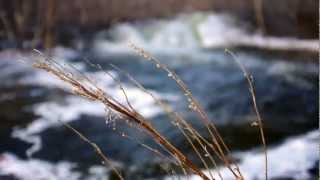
34	145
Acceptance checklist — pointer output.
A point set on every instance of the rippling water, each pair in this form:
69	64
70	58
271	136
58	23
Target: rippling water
34	142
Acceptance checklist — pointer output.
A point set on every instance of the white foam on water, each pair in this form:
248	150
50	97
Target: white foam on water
219	30
71	107
63	53
172	36
293	159
222	30
139	100
36	169
184	32
77	105
97	173
177	33
191	33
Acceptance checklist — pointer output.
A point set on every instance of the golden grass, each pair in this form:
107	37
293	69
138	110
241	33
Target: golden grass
208	151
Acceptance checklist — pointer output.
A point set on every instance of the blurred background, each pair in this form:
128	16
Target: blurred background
277	41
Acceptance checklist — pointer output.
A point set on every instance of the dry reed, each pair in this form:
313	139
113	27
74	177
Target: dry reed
249	79
204	149
85	88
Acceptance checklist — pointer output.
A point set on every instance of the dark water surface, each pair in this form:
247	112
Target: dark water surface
31	103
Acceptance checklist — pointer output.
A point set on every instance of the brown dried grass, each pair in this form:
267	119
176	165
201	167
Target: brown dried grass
206	150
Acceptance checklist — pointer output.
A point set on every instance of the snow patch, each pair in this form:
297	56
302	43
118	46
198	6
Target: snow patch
291	159
36	169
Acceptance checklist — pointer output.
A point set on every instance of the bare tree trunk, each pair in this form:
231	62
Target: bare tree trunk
49	23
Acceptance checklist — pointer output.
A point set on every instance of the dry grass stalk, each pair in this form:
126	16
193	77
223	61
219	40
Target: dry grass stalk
106	161
249	79
180	122
85	88
156	152
218	146
137	84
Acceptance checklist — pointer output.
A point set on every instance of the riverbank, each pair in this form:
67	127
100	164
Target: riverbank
46	22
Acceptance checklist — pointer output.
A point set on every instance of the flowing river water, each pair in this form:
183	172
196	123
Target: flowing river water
34	145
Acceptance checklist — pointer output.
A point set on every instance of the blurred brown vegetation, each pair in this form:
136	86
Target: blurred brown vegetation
41	19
